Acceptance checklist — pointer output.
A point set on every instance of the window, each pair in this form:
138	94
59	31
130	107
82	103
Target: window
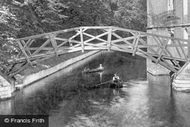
185	13
170	5
185	7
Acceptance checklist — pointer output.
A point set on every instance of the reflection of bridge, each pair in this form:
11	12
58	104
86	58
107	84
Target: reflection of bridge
172	53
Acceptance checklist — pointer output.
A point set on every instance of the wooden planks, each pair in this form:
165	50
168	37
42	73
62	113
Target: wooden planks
112	38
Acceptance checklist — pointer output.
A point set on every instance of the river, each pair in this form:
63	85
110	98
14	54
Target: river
145	101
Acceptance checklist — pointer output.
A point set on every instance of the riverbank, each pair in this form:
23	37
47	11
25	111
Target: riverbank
51	66
41	70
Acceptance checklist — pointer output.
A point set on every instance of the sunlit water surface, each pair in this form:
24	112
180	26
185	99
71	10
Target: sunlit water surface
146	101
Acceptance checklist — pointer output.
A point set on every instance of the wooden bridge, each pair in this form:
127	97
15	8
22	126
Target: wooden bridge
172	53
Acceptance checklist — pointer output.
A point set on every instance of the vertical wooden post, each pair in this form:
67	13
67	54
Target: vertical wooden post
70	43
23	51
188	56
54	43
109	38
135	43
82	39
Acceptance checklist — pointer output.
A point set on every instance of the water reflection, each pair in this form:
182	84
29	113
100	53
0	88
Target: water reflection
142	103
5	107
165	106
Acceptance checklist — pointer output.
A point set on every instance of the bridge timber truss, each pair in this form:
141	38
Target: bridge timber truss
172	53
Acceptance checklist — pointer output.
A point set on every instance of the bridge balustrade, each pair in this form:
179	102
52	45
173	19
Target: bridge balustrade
172	53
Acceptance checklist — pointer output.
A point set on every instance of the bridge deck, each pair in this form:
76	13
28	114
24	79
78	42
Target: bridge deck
172	53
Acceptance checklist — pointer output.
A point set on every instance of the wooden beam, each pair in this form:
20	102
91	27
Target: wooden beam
95	37
81	39
54	43
19	70
149	34
163	49
95	45
44	44
77	45
78	33
26	47
166	65
181	69
109	39
166	51
135	43
170	26
174	66
148	47
177	49
175	63
159	43
138	46
146	55
182	49
61	39
122	39
169	58
116	48
188	50
45	34
44	48
22	49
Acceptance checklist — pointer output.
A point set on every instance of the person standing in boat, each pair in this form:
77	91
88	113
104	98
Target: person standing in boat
116	78
101	67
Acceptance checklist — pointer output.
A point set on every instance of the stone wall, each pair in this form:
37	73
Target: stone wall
44	73
182	81
6	88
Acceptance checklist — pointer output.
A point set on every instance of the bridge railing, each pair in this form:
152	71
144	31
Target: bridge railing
170	52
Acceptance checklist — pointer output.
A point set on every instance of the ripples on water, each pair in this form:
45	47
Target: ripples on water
146	101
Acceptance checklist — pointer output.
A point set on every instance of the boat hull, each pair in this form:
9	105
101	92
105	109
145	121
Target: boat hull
92	71
112	85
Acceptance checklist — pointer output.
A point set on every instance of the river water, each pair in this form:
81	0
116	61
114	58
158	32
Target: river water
145	101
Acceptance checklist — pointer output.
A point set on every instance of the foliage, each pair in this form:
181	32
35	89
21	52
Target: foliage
28	17
129	14
21	18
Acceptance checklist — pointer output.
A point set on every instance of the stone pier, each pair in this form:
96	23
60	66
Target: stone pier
6	88
182	81
156	69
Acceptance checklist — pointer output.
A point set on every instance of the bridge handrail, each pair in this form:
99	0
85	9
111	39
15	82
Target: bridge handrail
99	27
110	38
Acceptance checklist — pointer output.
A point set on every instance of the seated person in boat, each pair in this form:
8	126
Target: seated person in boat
86	69
115	78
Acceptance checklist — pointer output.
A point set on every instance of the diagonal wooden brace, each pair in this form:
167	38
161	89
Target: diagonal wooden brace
23	51
163	50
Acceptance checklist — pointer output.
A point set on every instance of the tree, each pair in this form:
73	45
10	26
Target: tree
21	18
130	14
29	17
